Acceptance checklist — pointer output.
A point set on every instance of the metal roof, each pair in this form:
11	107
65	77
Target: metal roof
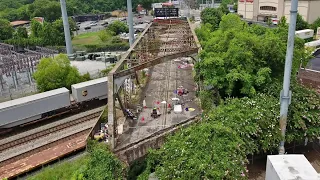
31	98
89	83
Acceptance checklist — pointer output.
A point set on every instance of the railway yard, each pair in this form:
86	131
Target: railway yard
27	150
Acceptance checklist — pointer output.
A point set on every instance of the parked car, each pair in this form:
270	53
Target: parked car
87	27
93	24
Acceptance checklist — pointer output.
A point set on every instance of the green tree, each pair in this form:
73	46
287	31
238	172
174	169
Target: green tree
21	32
105	35
36	29
240	61
6	31
212	16
301	23
57	72
224	8
231	21
315	24
102	164
216	148
118	27
50	10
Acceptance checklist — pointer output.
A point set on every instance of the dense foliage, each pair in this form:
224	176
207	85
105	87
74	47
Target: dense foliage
100	164
216	148
240	60
301	23
118	27
6	30
245	62
46	34
51	11
57	72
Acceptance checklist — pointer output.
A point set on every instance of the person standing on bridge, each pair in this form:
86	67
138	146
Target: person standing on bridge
144	102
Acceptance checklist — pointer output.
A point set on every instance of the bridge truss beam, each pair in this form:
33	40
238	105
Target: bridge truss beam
161	41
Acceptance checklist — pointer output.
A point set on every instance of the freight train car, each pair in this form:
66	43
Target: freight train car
30	108
46	105
94	89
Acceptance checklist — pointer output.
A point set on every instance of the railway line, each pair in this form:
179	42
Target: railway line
29	143
10	144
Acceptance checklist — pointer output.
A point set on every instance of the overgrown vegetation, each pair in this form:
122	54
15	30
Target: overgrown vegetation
51	11
241	69
100	163
47	34
57	72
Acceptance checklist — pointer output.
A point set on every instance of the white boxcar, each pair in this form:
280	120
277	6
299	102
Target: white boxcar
97	88
26	109
305	34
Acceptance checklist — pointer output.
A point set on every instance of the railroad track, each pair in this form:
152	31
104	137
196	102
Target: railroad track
45	132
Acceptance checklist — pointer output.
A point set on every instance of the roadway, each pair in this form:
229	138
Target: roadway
165	78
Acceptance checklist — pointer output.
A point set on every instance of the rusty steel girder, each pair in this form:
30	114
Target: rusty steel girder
161	41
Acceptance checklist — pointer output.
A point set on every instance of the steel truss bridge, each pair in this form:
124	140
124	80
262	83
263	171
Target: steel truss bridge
161	41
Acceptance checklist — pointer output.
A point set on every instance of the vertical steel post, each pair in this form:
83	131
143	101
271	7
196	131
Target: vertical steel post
285	95
130	22
66	26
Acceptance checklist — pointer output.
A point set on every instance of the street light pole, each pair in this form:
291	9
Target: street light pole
130	22
285	95
66	26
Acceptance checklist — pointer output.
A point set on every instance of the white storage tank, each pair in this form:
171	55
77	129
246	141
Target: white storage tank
97	88
305	34
26	109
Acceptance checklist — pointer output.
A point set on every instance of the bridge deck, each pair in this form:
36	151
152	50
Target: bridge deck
157	46
165	79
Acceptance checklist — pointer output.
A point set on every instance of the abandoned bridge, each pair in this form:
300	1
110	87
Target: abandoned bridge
160	61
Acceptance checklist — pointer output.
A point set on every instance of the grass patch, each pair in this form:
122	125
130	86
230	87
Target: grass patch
90	38
62	171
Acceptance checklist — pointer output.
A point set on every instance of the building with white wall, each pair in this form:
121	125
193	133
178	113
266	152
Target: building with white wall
260	10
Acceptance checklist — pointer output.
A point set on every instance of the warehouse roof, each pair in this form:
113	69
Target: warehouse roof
31	98
89	83
18	23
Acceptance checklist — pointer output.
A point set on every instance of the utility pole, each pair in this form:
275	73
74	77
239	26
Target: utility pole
285	95
130	22
66	26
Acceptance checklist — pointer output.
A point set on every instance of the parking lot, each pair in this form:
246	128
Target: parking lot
99	27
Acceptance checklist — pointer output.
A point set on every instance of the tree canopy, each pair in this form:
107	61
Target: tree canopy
246	63
6	30
212	16
301	23
51	11
46	34
118	27
57	72
240	60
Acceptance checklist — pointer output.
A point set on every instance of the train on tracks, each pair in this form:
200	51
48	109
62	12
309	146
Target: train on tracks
38	107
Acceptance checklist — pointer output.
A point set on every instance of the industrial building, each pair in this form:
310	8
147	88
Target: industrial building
260	10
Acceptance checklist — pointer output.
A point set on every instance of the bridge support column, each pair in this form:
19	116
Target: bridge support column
112	122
